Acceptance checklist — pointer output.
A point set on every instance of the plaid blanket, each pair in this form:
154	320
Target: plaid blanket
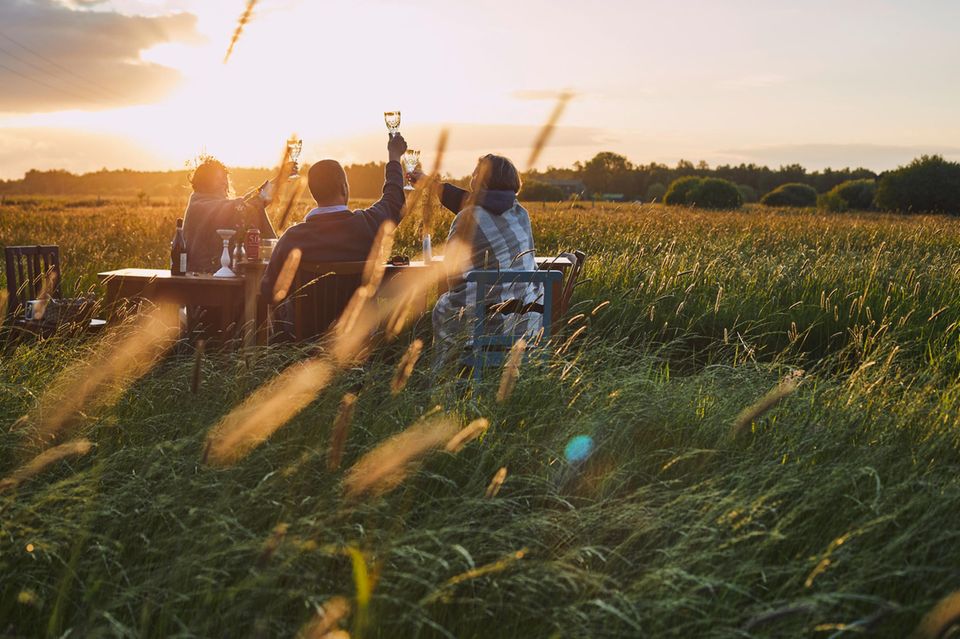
501	239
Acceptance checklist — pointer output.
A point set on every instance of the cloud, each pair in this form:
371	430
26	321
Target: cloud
55	57
878	157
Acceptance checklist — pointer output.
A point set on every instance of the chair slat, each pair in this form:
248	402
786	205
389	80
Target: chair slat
25	267
482	356
323	291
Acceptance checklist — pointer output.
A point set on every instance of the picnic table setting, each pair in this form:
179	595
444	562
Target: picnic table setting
236	287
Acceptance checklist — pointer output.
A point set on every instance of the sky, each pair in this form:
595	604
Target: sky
142	84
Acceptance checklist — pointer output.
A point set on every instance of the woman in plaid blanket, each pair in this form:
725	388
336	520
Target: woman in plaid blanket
489	220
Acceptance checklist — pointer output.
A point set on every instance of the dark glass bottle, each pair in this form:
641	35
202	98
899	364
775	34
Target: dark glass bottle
178	251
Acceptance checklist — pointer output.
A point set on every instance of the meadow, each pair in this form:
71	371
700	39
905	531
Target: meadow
772	397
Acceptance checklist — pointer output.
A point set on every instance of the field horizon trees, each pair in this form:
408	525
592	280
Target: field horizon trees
606	172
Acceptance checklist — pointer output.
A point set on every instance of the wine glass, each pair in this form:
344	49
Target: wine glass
392	118
410	159
294	146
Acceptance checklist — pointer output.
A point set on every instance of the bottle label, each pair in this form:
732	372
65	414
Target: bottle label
183	263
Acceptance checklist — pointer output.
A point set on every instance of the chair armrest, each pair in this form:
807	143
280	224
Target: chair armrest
511	277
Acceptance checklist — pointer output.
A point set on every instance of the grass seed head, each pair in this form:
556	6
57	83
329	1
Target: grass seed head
76	448
341	427
386	466
473	430
511	370
405	367
493	489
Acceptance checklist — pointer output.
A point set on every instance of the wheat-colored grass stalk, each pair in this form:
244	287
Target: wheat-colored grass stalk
405	367
273	542
386	466
511	370
493	488
47	287
295	193
338	434
431	201
787	386
287	274
265	410
942	621
497	566
473	430
324	623
544	136
118	360
241	23
197	366
77	447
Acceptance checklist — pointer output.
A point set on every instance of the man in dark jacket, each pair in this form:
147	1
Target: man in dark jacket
331	232
211	209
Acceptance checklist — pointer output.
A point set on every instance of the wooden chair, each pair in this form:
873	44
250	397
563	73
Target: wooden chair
26	268
33	271
320	295
493	349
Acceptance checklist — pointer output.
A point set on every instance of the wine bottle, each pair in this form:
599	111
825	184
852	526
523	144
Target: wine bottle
178	251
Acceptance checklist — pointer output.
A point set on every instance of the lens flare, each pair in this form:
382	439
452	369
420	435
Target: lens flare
578	448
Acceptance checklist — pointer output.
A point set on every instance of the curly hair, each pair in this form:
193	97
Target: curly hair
208	175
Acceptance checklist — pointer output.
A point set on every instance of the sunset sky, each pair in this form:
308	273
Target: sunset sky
142	84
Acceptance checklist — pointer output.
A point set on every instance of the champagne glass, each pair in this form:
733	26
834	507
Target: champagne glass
410	160
392	118
294	146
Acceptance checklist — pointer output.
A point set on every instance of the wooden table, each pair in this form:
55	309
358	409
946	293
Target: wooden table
233	295
163	289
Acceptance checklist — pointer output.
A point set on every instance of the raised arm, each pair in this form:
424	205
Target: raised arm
390	206
452	197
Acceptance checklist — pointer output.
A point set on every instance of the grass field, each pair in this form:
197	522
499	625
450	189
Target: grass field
832	514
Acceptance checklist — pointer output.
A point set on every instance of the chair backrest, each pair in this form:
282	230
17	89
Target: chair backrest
26	267
321	292
577	258
492	349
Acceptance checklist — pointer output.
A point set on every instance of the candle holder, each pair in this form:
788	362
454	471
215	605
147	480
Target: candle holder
225	235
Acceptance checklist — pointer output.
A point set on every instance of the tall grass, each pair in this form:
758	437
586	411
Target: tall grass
831	513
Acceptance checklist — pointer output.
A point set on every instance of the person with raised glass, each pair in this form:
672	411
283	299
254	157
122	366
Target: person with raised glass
212	208
331	232
491	221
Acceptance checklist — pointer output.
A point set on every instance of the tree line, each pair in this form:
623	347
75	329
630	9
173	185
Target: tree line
613	174
605	173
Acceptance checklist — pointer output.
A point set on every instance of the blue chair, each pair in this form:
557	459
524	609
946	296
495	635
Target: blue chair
493	349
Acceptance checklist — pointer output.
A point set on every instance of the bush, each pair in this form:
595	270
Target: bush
833	202
747	193
655	192
929	184
793	194
535	191
715	193
856	194
680	189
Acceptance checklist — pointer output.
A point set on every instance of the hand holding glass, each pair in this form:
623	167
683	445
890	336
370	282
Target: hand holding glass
410	160
294	146
392	119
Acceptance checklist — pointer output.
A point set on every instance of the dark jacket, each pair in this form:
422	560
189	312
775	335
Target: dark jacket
206	214
339	237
